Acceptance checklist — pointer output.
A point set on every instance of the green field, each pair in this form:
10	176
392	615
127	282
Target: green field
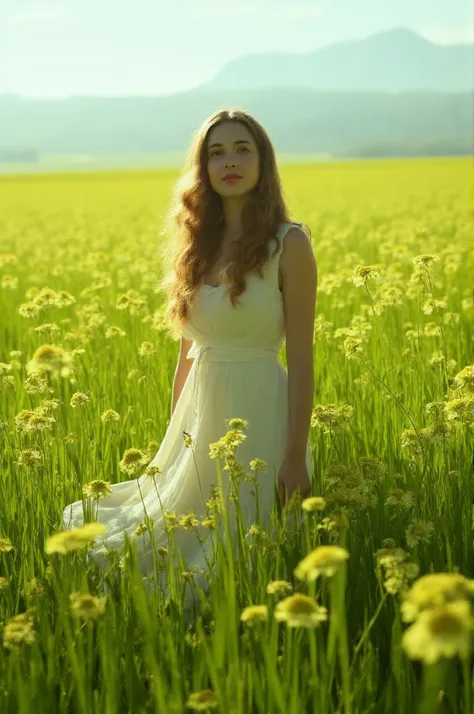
392	446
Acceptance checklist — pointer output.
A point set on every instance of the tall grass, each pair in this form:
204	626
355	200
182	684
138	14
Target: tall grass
389	341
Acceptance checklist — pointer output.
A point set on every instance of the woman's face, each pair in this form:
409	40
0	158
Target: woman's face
231	150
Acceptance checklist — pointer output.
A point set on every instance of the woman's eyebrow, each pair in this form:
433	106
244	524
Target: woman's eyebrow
239	141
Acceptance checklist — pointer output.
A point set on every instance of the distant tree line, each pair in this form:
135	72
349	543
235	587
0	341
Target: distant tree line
20	155
440	146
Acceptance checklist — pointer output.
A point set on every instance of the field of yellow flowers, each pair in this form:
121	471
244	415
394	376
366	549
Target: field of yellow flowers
363	602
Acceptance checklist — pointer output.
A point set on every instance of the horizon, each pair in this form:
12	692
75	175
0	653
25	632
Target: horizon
44	42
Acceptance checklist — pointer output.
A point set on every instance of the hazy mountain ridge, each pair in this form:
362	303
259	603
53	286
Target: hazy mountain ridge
394	61
299	120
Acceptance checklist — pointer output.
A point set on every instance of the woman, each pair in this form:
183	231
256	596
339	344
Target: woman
242	277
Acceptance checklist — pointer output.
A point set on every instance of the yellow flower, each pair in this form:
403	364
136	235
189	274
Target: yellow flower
254	613
216	500
114	331
390	554
51	358
9	281
313	503
237	423
432	304
73	539
412	441
352	347
47	327
78	399
6	545
29	309
188	440
399	497
397	571
258	465
87	606
172	520
425	260
132	460
460	410
153	471
30	458
131	301
324	560
19	630
33	587
330	417
140	529
200	701
218	449
433	590
464	380
279	587
29	420
444	631
192	639
362	273
110	415
97	489
36	383
299	610
334	526
209	522
188	521
419	531
146	348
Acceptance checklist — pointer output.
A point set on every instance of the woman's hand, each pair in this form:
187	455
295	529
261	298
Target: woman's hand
293	476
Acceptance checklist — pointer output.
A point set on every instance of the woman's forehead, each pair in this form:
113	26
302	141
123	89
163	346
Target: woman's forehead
228	132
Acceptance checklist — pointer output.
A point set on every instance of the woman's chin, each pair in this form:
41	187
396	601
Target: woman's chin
233	191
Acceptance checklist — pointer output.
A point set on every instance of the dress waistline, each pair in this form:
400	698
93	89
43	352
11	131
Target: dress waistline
205	352
210	352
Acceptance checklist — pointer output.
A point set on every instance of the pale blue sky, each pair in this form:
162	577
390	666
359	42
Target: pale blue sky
59	48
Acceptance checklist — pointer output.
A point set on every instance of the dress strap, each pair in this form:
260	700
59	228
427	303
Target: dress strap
282	231
275	260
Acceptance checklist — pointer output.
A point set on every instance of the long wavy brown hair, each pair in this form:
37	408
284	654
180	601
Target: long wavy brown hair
194	224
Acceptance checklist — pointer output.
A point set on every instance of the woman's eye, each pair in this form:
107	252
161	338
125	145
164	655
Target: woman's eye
218	151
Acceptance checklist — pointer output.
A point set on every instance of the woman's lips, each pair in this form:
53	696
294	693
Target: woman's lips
232	179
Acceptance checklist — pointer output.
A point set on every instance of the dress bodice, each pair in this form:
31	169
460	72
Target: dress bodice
258	318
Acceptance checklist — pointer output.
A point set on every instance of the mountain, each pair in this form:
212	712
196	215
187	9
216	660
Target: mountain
394	61
356	120
298	120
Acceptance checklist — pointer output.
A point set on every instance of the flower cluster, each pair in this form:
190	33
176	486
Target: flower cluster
398	570
132	461
439	606
331	418
53	359
18	631
74	539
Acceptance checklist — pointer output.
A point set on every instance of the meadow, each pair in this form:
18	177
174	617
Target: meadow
362	606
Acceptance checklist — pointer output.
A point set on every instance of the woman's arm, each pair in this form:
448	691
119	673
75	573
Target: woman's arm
181	373
299	276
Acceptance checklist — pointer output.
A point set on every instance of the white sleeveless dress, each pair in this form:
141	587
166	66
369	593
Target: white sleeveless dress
235	374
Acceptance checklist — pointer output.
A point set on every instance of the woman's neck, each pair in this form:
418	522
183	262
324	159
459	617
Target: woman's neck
232	209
